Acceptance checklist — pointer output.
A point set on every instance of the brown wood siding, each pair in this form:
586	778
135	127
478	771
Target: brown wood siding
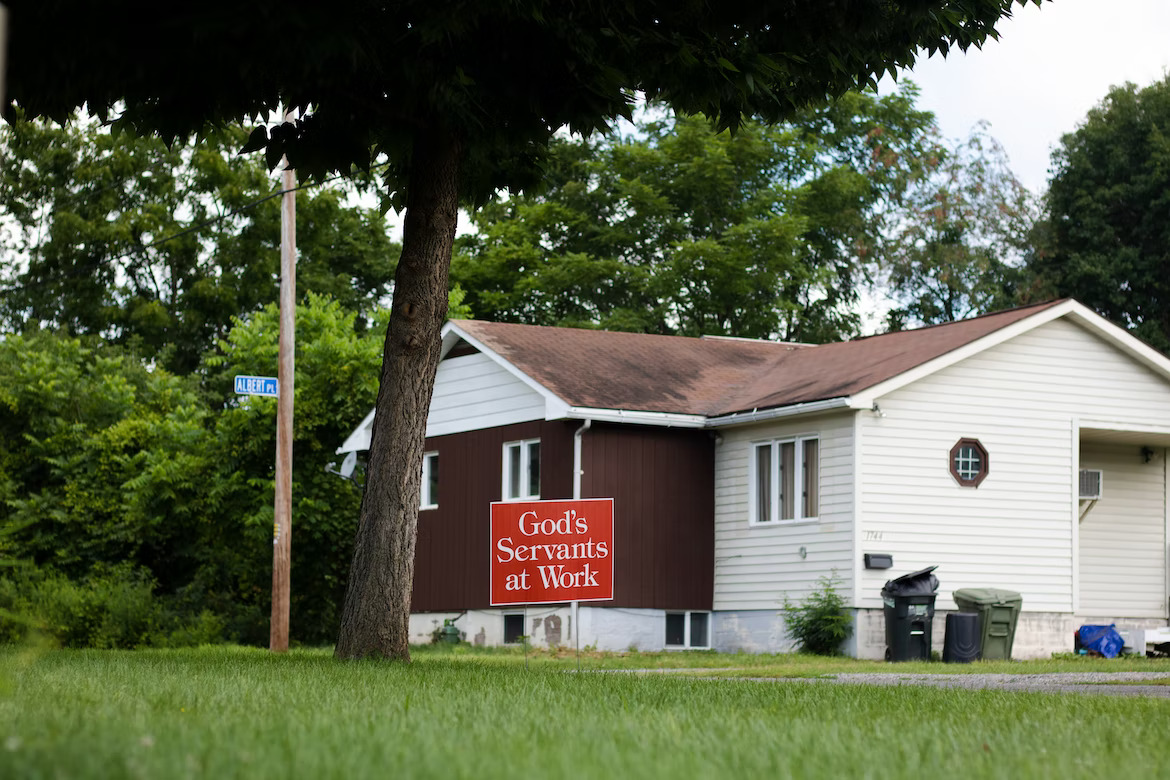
662	481
451	556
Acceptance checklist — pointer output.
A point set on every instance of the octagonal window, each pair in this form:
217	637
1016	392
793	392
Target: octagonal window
968	462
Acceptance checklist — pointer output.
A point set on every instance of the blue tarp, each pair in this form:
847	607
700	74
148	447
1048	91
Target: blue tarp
1101	639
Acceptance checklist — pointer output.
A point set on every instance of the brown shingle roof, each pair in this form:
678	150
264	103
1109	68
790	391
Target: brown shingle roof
640	372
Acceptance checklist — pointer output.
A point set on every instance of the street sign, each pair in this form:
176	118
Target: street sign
257	385
547	552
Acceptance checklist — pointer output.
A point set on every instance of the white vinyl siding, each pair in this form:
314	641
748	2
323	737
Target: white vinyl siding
1123	535
473	392
1022	400
756	566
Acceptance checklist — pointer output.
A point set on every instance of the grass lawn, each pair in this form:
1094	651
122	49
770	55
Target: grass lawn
707	662
235	712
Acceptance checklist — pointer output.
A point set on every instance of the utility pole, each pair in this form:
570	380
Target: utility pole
282	520
3	48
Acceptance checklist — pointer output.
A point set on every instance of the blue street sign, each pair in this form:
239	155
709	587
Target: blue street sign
256	385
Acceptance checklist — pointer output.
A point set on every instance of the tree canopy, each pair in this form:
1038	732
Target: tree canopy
117	235
1108	235
460	99
500	76
674	227
116	474
959	242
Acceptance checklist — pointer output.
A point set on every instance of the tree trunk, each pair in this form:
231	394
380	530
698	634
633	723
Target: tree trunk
376	616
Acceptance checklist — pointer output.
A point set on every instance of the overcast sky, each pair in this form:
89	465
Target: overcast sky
1037	82
1050	66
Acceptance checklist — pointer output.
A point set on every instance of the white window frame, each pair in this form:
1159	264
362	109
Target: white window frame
798	500
433	502
960	463
525	446
687	645
504	628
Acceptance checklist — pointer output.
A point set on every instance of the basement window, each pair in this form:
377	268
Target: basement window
968	462
689	630
513	628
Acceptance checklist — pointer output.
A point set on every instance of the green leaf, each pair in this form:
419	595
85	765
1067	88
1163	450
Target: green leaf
256	141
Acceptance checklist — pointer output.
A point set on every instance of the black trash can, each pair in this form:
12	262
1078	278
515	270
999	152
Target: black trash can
961	642
909	613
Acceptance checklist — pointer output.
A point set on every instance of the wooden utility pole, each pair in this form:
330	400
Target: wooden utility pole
282	520
3	48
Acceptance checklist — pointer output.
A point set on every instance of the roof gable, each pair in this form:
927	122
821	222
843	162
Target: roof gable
847	368
632	371
1075	312
593	369
714	382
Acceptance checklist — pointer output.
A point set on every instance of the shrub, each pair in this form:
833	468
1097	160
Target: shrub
820	623
206	628
113	607
16	614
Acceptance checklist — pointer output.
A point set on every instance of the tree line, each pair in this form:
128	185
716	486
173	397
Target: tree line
135	489
135	492
781	231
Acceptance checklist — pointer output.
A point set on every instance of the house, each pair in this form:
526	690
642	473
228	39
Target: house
1023	450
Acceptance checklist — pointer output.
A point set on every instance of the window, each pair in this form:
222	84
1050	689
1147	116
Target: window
785	480
688	629
513	628
522	470
968	462
429	495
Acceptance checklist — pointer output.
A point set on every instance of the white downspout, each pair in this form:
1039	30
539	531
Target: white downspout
577	494
577	457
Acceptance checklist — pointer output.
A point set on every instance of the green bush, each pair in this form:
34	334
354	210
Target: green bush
15	608
206	628
113	607
820	623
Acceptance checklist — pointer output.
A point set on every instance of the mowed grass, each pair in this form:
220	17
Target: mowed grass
235	712
754	665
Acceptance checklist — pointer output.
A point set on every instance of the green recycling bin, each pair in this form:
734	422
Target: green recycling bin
998	611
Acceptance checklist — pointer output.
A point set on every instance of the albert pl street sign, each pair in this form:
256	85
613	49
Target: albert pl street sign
257	385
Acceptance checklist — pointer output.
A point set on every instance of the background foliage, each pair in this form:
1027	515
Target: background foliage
119	236
123	482
136	492
677	227
1107	238
461	105
959	243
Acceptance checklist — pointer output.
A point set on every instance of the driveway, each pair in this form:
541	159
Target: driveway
1100	683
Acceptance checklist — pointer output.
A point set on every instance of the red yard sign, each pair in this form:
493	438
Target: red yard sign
546	552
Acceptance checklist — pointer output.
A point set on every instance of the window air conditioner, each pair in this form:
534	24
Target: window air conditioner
1090	484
